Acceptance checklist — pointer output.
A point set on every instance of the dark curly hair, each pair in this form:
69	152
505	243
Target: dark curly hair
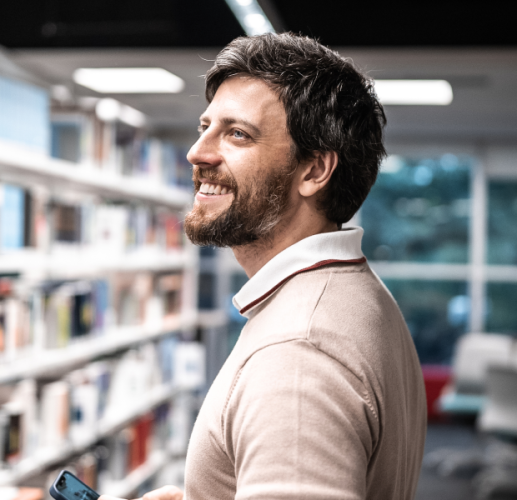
330	106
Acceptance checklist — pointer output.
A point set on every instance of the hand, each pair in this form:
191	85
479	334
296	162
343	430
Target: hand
163	493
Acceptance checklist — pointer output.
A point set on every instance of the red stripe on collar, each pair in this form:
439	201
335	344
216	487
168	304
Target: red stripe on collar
314	266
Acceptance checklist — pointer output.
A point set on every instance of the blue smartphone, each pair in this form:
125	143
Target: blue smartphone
69	487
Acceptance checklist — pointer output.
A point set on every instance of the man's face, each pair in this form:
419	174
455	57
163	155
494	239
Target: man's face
242	165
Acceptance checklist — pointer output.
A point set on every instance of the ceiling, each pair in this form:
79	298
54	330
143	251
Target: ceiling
483	82
210	23
475	49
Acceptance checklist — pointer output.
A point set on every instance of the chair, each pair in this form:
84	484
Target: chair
475	352
499	418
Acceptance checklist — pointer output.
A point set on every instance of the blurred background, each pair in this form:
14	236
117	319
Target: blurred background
112	326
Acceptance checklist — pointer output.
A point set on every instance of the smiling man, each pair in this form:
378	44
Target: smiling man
322	396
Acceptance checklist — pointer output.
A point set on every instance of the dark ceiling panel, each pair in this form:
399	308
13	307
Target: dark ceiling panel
116	23
436	23
210	23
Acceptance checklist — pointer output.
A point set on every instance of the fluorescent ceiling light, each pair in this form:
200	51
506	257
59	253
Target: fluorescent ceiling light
414	92
251	17
109	110
129	80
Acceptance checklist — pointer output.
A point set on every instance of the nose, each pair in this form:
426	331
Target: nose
204	153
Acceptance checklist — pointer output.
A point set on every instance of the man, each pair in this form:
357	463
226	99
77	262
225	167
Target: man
322	396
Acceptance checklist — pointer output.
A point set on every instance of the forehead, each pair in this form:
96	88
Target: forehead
247	98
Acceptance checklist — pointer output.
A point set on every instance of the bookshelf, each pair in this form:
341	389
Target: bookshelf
20	164
46	458
157	461
78	263
83	318
58	360
117	339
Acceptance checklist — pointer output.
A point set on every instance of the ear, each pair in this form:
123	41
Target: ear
316	173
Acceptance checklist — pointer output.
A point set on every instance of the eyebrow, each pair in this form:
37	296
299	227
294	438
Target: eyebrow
236	121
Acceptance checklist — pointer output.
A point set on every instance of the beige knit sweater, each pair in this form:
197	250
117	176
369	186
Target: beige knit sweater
322	398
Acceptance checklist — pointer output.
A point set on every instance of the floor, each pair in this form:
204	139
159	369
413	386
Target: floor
433	486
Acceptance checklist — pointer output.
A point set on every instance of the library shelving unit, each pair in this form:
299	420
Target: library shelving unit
27	167
60	360
17	165
21	164
49	457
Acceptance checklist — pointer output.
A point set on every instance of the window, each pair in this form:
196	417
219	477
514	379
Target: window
436	312
501	308
418	211
417	221
502	223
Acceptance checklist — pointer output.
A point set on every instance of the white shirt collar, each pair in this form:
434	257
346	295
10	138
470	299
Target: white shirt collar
309	253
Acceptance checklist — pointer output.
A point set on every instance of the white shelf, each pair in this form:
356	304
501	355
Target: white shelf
41	362
44	459
212	318
122	489
83	263
18	164
157	460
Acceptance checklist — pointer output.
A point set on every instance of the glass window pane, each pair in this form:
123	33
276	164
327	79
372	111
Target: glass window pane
419	210
236	323
206	294
502	308
502	223
207	252
436	313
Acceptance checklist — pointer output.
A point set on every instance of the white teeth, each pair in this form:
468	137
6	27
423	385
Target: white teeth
213	189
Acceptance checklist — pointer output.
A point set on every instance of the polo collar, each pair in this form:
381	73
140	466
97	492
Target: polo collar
305	255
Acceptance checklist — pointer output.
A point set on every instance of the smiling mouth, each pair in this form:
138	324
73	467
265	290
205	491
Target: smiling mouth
212	189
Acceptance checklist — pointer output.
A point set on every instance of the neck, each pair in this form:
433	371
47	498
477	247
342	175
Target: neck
254	256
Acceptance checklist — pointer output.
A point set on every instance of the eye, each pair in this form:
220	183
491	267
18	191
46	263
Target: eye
239	134
201	128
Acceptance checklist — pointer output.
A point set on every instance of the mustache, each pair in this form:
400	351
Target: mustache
212	175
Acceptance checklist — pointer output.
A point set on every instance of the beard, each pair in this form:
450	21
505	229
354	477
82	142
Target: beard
256	209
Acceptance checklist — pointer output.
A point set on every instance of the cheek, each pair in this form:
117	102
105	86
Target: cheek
245	167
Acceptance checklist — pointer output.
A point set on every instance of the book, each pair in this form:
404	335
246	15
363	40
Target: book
12	217
77	135
66	223
24	115
169	287
55	414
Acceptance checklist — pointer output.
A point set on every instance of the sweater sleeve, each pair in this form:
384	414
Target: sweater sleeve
299	425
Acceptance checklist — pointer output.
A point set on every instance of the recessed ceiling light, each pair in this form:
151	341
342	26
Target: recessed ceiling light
129	80
250	16
110	110
255	21
414	92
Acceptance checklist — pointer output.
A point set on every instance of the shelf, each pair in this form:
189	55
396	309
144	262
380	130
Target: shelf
157	460
212	318
55	360
76	263
46	458
122	489
21	165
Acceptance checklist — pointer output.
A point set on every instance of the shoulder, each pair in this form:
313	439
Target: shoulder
296	371
291	383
